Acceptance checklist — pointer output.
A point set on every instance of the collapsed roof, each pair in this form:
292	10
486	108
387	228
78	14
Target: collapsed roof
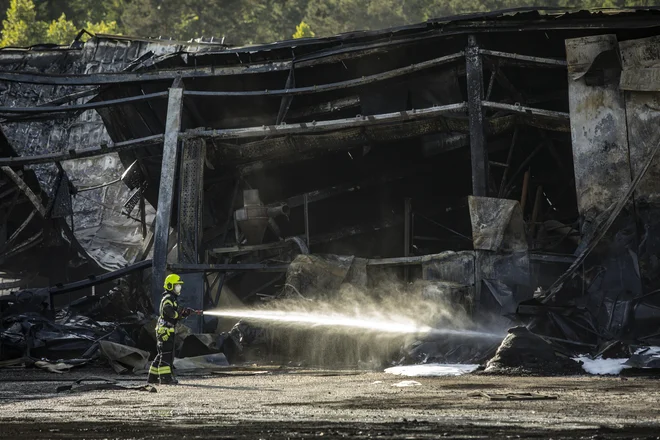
521	104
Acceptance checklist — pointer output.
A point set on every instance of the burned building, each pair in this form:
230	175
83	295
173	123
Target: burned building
510	154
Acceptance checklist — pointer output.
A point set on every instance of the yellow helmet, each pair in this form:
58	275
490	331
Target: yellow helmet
171	280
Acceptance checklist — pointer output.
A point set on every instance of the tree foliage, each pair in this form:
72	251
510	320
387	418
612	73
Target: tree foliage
21	27
303	31
239	21
24	26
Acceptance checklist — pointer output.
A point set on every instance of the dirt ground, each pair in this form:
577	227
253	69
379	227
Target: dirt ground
272	403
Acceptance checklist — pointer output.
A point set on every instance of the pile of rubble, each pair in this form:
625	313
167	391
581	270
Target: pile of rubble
96	332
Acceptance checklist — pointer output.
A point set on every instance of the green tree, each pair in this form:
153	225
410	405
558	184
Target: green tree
61	31
21	27
102	27
303	31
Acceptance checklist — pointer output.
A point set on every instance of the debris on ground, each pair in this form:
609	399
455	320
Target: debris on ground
407	383
513	396
523	352
102	384
432	370
206	363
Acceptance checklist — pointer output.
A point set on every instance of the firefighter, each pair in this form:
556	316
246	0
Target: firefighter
169	311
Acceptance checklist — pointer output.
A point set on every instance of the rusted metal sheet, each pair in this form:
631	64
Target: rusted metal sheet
497	224
598	129
643	119
640	59
601	161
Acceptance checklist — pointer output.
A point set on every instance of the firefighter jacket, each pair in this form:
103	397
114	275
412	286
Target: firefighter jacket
169	312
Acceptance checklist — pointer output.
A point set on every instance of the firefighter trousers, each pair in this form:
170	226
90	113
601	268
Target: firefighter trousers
161	367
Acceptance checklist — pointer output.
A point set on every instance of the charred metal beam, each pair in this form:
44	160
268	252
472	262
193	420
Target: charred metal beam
551	258
394	262
98	150
517	108
249	248
80	107
306	215
240	133
94	280
475	94
522	168
603	226
165	194
189	226
18	231
326	107
13	202
326	193
322	126
27	244
508	162
123	77
8	192
191	201
106	78
407	232
338	85
352	231
525	60
26	190
247	267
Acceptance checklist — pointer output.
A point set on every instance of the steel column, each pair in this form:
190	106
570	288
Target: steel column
166	191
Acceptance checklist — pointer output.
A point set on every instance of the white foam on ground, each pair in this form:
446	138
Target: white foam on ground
655	351
407	383
601	366
430	370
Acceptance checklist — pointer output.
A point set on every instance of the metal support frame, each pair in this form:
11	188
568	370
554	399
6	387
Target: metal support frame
475	95
478	153
306	207
166	190
189	225
36	202
407	233
254	267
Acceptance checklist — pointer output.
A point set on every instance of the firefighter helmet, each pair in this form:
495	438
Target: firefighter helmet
171	280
